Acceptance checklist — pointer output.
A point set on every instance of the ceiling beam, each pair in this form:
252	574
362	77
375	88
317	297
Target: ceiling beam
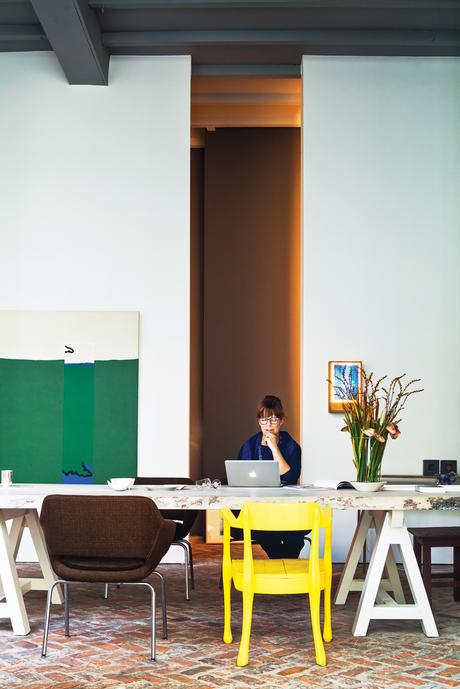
270	4
73	31
22	38
22	32
246	70
282	37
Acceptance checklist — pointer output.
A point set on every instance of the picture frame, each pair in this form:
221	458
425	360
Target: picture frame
336	369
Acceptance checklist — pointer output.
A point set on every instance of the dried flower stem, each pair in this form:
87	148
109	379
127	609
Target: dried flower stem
371	415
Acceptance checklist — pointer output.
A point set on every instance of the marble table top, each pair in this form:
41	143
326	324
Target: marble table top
30	496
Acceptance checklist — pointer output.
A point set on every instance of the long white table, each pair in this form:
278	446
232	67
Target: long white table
384	511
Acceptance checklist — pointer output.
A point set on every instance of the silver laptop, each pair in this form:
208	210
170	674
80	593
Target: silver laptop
252	473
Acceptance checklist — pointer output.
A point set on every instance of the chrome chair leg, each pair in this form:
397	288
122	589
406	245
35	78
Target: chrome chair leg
106	590
66	609
190	559
181	543
47	615
163	603
152	591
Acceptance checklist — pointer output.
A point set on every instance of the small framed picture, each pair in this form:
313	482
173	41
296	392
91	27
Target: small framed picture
345	382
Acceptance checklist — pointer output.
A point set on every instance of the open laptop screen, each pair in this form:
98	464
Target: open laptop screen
252	473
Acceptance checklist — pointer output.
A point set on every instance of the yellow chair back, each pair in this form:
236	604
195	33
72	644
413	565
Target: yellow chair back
269	516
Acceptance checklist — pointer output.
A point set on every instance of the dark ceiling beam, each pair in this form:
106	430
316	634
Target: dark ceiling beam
73	31
269	4
22	37
287	37
246	70
22	32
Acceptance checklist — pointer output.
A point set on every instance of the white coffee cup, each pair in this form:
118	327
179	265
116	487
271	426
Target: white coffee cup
7	477
120	483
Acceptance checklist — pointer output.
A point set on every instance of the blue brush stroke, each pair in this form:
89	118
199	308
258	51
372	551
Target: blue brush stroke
81	363
85	477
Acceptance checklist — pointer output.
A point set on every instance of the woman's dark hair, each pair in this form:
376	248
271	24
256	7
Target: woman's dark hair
270	406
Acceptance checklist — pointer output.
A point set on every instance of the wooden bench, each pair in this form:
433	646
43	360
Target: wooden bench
426	538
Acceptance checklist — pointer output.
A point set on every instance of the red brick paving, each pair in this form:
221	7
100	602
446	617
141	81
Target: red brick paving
109	643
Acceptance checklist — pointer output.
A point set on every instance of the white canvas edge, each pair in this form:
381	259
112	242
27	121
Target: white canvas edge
44	335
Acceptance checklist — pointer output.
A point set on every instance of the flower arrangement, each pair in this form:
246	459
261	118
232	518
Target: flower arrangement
371	415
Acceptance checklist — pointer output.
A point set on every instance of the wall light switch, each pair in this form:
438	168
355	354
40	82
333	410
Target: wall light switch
430	467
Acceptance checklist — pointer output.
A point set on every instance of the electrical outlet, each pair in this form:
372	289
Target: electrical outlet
431	467
448	465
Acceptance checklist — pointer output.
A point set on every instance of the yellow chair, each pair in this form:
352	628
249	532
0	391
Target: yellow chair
279	576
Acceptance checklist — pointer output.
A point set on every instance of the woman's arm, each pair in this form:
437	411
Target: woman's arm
277	454
295	462
292	462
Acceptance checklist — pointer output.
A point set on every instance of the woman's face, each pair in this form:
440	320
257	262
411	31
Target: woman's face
270	423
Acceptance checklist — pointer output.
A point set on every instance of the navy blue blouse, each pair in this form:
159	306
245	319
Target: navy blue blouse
253	449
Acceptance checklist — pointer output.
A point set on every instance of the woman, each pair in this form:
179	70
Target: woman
273	443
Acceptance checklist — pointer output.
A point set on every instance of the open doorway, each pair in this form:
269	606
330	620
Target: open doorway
245	261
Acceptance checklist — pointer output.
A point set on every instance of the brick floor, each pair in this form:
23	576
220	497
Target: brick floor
109	643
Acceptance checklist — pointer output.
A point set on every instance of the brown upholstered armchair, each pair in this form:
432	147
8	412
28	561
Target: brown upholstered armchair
119	539
184	521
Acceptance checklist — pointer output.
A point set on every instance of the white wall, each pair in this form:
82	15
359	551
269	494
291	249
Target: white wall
94	215
381	251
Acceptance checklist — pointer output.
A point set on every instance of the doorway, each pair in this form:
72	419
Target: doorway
246	257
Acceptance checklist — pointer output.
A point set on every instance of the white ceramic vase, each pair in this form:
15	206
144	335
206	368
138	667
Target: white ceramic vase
367	486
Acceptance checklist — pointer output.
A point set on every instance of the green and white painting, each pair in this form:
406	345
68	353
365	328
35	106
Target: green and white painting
68	395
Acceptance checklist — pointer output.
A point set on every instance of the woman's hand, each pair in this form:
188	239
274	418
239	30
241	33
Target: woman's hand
272	440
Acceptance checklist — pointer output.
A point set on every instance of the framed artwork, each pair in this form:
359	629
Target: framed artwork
344	380
68	395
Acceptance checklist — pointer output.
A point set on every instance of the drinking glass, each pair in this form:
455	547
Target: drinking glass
203	483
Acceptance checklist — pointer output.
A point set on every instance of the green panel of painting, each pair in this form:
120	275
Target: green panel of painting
115	419
31	419
77	449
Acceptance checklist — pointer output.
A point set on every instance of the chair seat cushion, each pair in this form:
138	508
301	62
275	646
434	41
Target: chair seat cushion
102	564
278	576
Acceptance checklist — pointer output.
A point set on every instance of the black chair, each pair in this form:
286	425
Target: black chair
184	521
117	539
429	537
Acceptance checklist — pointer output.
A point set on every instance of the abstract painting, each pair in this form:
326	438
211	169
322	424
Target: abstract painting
68	395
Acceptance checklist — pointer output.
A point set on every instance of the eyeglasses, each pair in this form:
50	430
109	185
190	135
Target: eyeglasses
269	419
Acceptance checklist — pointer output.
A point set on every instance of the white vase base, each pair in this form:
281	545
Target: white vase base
368	486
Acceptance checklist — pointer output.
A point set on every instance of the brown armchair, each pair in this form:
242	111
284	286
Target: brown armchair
119	539
184	521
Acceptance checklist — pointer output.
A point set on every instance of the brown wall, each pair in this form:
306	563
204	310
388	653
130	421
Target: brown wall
251	330
196	312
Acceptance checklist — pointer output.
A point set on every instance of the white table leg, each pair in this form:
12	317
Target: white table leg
348	582
38	539
16	531
13	607
347	578
393	532
390	565
15	535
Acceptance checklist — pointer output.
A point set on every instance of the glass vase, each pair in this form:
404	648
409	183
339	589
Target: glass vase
367	457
